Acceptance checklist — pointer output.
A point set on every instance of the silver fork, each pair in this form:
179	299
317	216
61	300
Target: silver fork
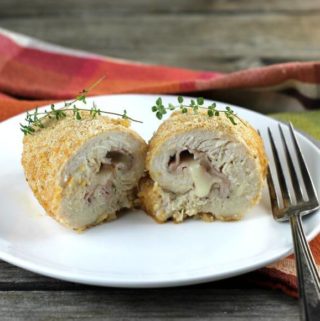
308	277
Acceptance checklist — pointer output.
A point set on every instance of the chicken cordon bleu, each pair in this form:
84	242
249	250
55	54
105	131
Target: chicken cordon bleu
84	171
205	167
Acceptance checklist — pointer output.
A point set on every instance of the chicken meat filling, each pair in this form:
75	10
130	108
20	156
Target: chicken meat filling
204	175
105	172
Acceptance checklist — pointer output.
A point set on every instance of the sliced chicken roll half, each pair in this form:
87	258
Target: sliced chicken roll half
203	166
84	171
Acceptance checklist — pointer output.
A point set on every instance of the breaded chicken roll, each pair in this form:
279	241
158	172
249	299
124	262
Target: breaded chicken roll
203	166
84	171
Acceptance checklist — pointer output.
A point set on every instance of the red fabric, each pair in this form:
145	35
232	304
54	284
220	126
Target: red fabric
31	77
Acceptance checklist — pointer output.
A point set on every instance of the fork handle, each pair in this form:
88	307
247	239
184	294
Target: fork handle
308	277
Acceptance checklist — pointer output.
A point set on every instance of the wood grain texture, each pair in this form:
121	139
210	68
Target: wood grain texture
212	35
119	304
27	296
111	7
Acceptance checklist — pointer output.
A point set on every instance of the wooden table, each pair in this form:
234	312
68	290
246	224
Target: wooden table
211	35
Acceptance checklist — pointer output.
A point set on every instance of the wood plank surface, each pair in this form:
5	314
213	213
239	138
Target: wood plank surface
222	36
119	304
27	296
111	7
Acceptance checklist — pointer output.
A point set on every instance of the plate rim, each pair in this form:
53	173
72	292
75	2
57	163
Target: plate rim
186	280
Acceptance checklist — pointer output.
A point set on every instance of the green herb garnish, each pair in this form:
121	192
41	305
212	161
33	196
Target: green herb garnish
35	120
160	109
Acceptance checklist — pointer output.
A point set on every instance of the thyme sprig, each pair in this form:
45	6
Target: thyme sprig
195	104
35	120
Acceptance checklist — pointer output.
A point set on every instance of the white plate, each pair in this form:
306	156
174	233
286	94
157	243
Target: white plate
134	251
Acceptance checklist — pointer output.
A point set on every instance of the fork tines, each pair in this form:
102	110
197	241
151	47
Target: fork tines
301	204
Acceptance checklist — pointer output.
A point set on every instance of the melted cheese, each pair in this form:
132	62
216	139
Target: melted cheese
201	178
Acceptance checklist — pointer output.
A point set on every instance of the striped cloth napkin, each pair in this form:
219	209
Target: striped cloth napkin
34	73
